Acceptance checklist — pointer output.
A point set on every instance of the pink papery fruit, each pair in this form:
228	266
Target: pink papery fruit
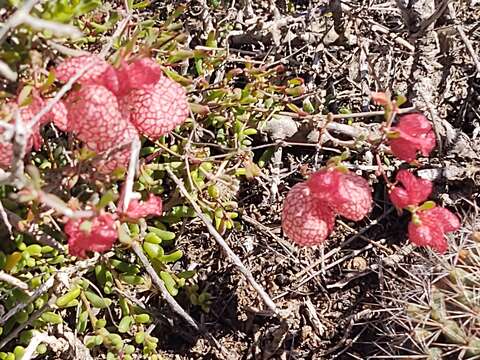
157	109
59	116
6	154
99	71
138	209
412	134
26	112
413	192
97	234
94	116
431	228
138	74
306	220
346	193
113	155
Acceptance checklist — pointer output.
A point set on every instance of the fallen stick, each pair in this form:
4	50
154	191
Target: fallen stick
161	286
220	241
12	280
171	301
470	48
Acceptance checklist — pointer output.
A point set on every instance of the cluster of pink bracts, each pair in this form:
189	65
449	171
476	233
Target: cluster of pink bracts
429	224
111	107
412	135
310	207
309	210
26	113
99	233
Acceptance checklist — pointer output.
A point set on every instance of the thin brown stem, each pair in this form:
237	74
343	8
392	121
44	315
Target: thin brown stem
220	241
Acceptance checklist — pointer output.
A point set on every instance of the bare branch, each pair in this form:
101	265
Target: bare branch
16	19
47	285
161	286
14	334
58	205
12	280
9	130
220	241
5	218
6	72
22	16
132	168
118	32
471	50
78	269
171	301
19	151
35	341
57	28
65	50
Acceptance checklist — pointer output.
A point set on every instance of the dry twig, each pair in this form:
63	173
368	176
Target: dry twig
161	286
170	300
220	241
470	48
22	16
16	19
35	341
77	269
12	280
132	168
7	73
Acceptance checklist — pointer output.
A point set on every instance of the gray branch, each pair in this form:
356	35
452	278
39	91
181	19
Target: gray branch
223	244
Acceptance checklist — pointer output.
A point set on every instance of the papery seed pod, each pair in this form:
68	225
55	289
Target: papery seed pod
306	220
98	72
346	193
412	134
413	192
94	116
138	74
97	234
158	109
430	227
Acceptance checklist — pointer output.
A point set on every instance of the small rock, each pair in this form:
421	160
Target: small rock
359	263
281	127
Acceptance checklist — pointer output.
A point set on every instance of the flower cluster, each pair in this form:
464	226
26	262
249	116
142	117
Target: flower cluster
412	134
26	112
107	109
114	104
429	222
310	207
99	233
96	234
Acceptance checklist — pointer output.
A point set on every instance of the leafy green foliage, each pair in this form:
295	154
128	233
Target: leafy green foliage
64	11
